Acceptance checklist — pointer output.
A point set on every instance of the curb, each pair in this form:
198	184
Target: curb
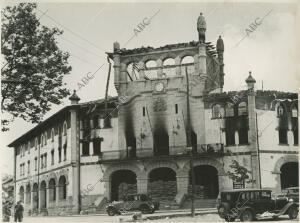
176	215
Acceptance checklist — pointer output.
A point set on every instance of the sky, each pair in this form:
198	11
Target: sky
269	50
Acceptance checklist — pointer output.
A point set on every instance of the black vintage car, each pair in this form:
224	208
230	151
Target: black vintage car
134	202
247	204
291	193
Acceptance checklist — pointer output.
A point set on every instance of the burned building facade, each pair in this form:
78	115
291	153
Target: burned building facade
170	110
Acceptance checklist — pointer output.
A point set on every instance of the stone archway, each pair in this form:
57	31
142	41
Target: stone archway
279	167
107	176
123	183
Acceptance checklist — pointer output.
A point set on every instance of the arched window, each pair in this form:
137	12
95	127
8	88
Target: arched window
280	110
229	110
187	63
21	193
169	67
151	69
217	111
294	112
242	108
28	194
133	71
62	192
52	190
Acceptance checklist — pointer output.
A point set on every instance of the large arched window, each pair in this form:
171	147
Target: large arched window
52	190
229	110
28	194
169	67
242	108
62	188
151	69
133	71
187	63
21	193
217	111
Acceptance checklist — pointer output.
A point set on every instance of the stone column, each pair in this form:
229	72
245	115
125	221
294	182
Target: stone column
32	200
57	195
40	198
202	59
141	66
182	180
159	63
47	197
252	133
117	61
142	185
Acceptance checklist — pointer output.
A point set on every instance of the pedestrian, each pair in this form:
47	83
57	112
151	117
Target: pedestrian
6	211
19	212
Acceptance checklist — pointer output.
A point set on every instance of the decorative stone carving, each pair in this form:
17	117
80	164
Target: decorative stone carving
160	105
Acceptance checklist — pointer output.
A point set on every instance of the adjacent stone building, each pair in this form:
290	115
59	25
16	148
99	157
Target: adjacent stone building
170	109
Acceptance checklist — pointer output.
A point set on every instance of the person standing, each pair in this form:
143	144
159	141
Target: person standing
19	209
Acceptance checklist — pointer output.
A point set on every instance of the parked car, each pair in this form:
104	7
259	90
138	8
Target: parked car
134	202
247	204
291	193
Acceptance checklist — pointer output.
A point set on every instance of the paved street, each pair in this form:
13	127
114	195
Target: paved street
105	218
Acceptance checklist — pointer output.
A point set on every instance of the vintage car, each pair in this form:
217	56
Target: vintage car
248	204
134	202
291	193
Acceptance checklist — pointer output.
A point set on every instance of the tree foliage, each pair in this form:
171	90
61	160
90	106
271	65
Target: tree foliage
32	58
240	174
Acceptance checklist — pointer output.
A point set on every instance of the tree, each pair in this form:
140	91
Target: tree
34	66
240	174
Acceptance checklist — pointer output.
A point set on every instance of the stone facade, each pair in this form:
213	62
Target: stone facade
172	115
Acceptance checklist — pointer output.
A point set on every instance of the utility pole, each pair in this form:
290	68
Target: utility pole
188	139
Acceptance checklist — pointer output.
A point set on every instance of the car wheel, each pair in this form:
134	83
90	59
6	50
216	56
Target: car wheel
247	215
145	209
111	211
293	212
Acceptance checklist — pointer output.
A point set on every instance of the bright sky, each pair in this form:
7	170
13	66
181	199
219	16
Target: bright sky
91	28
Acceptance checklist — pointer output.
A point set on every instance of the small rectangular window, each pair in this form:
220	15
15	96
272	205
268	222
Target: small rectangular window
35	163
230	137
176	108
28	165
52	157
144	111
86	148
97	146
59	155
282	136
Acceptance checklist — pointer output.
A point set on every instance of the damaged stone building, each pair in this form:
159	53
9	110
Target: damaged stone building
170	109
